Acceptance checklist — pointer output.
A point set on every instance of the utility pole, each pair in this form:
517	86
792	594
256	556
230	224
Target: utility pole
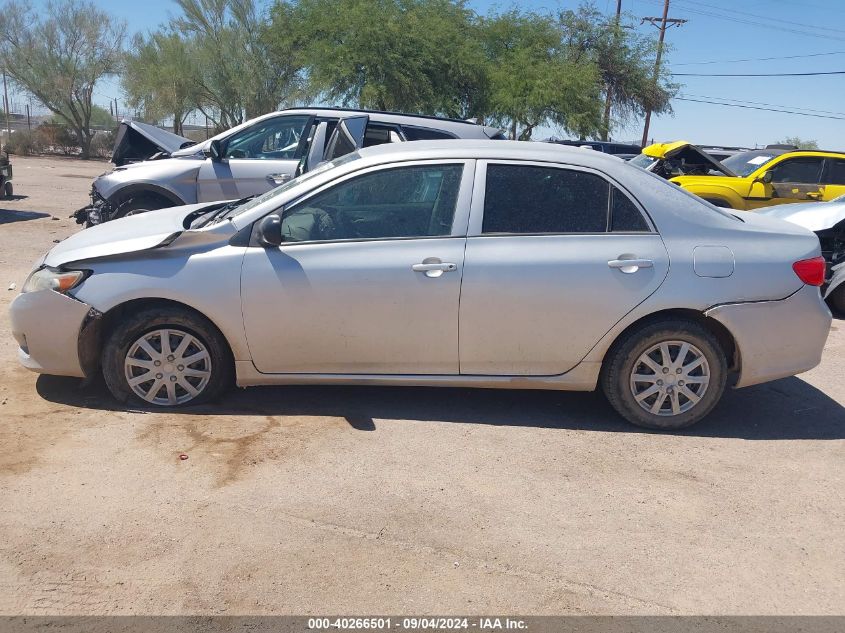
28	120
609	88
6	107
664	22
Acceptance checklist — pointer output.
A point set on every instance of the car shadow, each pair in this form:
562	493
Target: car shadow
7	216
788	409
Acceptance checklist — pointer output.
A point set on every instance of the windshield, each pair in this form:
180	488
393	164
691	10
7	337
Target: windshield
290	184
643	161
747	162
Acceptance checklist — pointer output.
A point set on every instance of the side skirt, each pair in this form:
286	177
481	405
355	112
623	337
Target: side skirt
583	377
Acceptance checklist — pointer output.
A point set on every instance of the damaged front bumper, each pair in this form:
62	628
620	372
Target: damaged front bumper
99	211
56	333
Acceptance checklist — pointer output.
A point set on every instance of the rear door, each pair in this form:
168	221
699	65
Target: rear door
555	258
347	137
255	159
833	178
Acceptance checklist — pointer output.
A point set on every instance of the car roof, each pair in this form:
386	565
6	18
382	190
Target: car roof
457	126
501	149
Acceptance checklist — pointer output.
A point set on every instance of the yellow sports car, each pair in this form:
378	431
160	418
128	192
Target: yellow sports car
749	180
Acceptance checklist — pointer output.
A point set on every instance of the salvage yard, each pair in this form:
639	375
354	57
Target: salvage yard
398	500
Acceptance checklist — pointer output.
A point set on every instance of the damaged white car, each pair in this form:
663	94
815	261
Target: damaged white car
156	169
827	221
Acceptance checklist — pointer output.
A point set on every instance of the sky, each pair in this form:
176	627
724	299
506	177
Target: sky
716	31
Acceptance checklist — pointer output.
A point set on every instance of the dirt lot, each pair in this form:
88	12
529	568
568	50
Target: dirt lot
372	500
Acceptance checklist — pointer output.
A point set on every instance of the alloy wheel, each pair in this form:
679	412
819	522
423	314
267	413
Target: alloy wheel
167	367
670	378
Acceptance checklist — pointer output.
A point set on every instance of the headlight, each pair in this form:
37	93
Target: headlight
52	279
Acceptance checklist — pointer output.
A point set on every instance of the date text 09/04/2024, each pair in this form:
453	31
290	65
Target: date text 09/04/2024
417	623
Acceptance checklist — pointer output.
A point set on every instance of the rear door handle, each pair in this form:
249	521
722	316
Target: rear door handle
434	269
630	265
278	179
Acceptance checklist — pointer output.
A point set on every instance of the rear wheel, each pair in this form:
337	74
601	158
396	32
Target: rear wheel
8	190
665	375
166	358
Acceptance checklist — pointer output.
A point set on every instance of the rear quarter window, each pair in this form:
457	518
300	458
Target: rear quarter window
425	134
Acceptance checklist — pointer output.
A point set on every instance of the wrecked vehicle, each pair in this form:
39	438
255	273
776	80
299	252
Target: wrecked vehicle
136	141
835	295
771	177
678	158
436	263
749	180
248	159
827	221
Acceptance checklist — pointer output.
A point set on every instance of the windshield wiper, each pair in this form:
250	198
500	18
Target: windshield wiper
207	217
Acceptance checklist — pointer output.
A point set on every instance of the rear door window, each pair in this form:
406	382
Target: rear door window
531	199
835	172
425	134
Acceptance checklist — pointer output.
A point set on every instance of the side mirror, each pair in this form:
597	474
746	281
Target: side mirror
766	178
215	150
270	231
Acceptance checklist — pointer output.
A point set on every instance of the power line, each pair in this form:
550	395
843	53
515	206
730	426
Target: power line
773	105
815	74
748	107
776	20
758	59
750	22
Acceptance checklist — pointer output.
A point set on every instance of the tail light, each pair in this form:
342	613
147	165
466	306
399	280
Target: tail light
810	271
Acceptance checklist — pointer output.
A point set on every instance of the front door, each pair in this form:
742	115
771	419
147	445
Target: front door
254	160
794	180
369	276
558	258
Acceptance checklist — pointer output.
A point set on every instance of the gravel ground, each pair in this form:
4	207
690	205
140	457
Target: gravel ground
378	500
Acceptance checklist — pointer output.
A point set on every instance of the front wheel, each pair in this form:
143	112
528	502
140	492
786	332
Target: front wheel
139	204
666	375
166	358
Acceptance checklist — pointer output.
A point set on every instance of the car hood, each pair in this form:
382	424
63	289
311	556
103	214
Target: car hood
124	235
139	141
663	151
815	216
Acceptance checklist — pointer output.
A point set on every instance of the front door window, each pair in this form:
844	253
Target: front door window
402	202
272	139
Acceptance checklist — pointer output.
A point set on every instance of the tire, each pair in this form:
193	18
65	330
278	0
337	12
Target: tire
705	380
8	190
125	357
140	204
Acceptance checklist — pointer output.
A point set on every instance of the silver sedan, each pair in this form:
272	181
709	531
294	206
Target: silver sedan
476	264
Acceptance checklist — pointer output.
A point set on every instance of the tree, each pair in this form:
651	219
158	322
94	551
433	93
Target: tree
800	143
59	54
625	59
535	79
160	77
409	55
236	73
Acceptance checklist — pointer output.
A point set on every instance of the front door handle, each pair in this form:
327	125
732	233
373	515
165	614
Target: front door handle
630	265
434	269
278	179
